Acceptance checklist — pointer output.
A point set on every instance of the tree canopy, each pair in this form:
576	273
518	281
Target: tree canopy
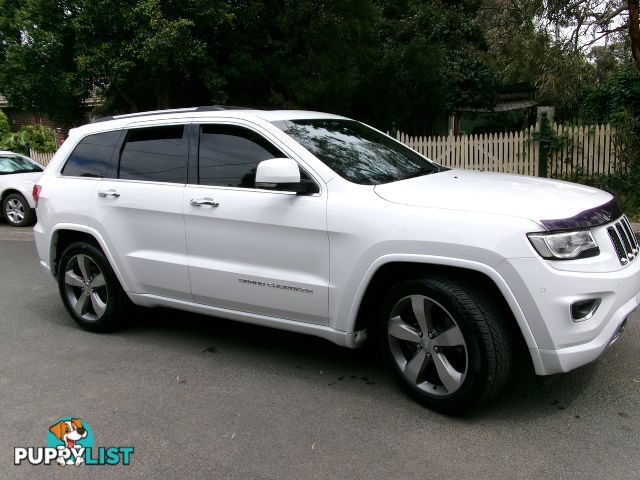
564	48
403	61
409	62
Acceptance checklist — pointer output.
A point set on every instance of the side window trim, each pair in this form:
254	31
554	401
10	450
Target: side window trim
224	134
194	157
114	163
193	174
123	141
110	162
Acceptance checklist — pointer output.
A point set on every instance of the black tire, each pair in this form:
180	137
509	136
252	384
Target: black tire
15	205
477	375
105	306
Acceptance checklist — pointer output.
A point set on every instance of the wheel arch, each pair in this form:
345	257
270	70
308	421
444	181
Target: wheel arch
5	193
64	235
10	190
387	271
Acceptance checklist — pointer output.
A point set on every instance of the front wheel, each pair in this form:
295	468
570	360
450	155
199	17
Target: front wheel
90	289
17	211
446	343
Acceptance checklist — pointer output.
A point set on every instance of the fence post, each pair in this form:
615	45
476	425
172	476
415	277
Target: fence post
544	138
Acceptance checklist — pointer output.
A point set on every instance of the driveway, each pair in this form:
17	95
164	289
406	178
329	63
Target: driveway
201	397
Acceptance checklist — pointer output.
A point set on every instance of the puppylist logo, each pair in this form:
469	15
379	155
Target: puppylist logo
70	442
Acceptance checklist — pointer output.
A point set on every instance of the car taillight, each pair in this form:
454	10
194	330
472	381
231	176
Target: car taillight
36	193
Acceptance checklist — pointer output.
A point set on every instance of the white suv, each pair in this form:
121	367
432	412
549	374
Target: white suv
319	224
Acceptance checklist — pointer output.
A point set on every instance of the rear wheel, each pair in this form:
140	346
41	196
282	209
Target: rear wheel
17	211
446	344
89	288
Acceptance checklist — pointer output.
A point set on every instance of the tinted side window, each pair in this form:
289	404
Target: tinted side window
157	154
229	155
92	155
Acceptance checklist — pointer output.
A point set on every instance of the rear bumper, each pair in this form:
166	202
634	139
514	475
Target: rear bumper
42	246
545	296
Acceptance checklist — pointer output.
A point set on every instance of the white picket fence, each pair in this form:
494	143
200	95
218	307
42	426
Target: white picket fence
586	149
40	157
589	150
509	153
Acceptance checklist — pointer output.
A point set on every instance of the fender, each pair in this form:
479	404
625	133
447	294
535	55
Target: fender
450	262
99	239
22	189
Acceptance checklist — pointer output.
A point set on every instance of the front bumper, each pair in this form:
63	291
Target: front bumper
545	295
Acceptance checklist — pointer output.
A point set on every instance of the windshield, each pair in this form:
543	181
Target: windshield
17	164
357	152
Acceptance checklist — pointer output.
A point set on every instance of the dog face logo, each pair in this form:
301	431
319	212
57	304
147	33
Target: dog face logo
69	432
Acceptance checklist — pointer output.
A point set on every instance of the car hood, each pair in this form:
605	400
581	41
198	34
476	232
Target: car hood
553	203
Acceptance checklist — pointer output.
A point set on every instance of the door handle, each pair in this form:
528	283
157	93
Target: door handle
108	193
200	202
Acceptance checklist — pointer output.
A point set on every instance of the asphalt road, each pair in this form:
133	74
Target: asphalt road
201	397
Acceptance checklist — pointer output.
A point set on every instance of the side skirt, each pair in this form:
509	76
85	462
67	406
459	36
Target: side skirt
344	339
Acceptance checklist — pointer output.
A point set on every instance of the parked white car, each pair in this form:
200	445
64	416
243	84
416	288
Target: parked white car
319	224
18	175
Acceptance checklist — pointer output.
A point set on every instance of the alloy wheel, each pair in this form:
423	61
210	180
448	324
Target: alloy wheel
427	345
86	288
15	210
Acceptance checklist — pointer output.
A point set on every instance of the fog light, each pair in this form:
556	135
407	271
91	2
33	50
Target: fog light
584	309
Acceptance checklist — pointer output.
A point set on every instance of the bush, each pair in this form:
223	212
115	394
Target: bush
623	185
4	125
617	102
35	137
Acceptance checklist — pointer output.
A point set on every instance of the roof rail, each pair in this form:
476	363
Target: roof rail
206	108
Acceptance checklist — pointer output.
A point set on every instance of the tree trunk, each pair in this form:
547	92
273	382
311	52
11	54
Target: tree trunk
634	30
162	97
132	105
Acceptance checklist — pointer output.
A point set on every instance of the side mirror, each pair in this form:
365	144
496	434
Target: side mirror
282	174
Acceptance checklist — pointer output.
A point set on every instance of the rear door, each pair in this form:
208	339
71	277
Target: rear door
139	210
252	250
78	178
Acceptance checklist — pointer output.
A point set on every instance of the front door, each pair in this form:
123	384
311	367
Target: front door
253	250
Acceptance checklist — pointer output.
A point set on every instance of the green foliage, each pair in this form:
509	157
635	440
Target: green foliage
36	137
151	54
37	70
4	124
617	102
623	185
615	99
522	51
431	61
550	142
380	60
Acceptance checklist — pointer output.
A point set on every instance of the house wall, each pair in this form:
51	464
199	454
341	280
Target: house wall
20	118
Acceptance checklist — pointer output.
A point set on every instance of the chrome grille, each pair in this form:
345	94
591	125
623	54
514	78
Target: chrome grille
624	240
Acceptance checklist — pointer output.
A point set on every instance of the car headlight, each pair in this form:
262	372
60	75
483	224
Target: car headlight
565	245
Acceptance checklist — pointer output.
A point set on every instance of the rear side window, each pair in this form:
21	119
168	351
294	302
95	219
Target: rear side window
92	155
156	154
229	155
